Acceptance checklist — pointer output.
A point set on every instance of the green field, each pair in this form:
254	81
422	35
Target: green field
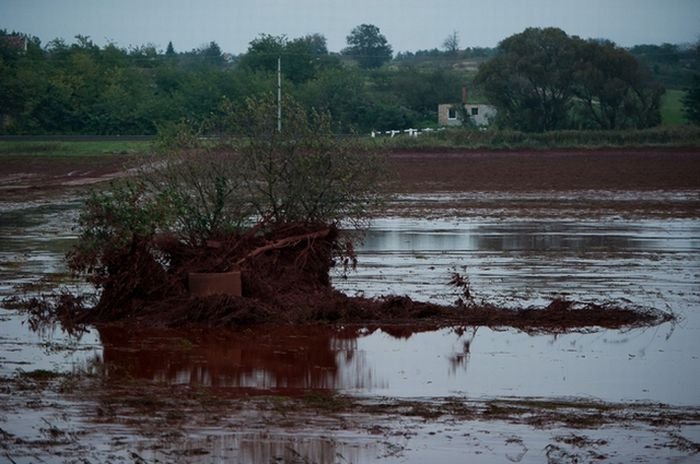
674	132
672	108
72	148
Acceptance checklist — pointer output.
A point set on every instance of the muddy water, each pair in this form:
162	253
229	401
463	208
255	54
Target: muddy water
515	259
522	261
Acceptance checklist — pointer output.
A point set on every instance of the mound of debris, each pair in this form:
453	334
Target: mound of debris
284	279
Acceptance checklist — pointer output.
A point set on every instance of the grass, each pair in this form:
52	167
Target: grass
672	108
666	137
672	133
71	148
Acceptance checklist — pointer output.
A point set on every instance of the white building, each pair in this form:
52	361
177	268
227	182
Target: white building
480	114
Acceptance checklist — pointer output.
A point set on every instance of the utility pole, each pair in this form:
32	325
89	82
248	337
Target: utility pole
279	94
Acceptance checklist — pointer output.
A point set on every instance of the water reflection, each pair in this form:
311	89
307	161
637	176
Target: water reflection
269	447
643	261
47	348
288	360
610	365
268	358
527	261
400	234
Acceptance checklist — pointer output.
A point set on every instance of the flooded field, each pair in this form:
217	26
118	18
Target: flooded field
393	394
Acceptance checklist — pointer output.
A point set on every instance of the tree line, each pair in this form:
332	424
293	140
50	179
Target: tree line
540	79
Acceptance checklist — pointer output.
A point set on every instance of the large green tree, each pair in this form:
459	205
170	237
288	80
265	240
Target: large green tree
614	90
529	80
368	46
302	58
543	79
21	78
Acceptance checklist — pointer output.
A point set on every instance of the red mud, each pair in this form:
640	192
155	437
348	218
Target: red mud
565	170
426	172
290	283
285	280
26	175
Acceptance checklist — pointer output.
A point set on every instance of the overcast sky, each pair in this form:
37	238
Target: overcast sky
409	25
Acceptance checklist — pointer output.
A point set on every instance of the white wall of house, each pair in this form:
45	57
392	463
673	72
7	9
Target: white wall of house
481	115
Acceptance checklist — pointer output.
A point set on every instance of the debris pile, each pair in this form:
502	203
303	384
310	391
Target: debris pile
285	280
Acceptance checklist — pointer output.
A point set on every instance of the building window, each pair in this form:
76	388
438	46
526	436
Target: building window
451	113
475	111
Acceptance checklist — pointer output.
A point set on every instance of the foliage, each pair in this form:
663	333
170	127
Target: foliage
437	57
461	139
368	46
672	65
530	78
616	91
179	135
271	178
122	217
301	59
303	173
341	93
542	79
80	88
691	101
202	192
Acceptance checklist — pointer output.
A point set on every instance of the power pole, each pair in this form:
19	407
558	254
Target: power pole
279	94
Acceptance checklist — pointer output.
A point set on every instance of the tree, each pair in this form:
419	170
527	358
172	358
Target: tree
303	173
305	57
263	52
170	50
302	58
614	89
22	70
212	54
530	78
451	43
691	101
542	79
340	93
419	89
368	46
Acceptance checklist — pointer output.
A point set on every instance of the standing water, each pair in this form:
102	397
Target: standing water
514	259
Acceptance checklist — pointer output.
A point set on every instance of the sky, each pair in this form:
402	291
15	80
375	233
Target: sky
408	25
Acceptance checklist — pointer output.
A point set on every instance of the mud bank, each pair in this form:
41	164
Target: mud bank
285	276
84	421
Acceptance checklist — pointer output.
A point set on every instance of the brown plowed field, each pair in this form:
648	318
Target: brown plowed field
547	170
612	169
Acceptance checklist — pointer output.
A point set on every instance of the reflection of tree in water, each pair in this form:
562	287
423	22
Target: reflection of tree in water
270	448
289	447
264	358
460	360
542	237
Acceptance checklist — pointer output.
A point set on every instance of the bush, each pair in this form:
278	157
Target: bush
261	180
304	173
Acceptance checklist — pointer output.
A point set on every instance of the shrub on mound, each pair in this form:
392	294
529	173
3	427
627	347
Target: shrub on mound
267	202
